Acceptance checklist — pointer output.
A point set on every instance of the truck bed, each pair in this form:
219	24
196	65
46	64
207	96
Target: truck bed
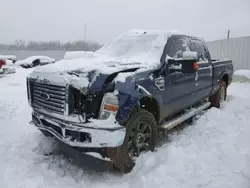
220	68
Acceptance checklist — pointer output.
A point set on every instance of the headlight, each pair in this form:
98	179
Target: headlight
109	106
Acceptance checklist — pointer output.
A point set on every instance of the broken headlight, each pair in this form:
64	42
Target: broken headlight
109	106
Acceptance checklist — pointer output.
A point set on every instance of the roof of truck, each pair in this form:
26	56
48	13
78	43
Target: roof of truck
136	32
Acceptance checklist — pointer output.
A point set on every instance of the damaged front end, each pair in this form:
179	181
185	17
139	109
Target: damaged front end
81	116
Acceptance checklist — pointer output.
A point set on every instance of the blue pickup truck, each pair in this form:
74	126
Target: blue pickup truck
116	100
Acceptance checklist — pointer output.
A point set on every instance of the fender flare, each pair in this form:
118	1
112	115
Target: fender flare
128	102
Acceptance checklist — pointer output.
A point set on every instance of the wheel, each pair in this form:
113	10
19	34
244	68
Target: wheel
220	95
141	136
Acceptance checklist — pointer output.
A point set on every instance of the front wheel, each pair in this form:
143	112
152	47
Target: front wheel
141	136
220	96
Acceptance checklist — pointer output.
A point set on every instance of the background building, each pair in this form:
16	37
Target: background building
237	49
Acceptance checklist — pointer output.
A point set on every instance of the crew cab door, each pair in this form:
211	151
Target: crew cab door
180	87
204	77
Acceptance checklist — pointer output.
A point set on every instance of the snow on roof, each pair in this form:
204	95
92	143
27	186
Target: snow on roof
141	47
138	45
30	59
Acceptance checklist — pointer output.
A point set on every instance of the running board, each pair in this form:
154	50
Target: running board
176	121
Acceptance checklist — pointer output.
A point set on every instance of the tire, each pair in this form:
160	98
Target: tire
219	96
137	136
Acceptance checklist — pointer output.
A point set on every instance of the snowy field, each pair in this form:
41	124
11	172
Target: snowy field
214	151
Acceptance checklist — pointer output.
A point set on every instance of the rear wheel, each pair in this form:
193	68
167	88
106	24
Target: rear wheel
220	96
141	136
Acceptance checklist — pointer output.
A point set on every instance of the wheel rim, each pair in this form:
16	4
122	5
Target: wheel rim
139	139
222	94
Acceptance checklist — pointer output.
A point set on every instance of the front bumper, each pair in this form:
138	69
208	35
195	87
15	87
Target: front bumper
75	135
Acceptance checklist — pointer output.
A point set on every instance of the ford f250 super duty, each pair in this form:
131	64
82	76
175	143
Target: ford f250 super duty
116	100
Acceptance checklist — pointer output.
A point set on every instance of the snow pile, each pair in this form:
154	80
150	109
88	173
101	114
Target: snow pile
241	76
9	62
123	76
213	152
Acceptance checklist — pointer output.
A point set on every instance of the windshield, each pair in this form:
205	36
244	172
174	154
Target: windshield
136	45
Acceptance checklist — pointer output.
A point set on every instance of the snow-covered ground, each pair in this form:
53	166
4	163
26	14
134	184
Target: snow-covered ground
212	152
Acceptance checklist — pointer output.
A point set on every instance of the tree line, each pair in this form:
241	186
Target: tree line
52	45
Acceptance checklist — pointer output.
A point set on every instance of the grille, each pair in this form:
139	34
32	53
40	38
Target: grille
49	97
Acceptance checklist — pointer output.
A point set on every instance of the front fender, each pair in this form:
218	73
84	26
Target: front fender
128	100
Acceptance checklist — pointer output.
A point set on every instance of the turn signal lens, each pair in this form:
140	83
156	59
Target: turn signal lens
195	66
111	107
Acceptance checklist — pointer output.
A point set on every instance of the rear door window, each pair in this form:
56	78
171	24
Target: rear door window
197	46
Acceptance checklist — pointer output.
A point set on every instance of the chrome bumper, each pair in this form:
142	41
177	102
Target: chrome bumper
95	137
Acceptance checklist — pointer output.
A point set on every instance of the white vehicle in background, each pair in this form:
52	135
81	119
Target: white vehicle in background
6	66
34	61
9	57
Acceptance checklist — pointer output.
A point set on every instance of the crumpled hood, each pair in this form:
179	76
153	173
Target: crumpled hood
89	72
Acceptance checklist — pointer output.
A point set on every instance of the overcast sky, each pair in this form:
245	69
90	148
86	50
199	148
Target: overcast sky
64	19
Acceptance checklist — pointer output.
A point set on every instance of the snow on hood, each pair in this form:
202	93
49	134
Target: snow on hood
9	62
135	48
94	62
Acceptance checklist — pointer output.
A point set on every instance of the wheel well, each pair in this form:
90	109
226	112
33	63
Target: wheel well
225	78
150	104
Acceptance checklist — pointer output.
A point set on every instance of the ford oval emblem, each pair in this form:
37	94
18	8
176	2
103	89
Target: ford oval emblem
45	96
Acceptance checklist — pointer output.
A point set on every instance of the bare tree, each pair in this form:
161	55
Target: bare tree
52	45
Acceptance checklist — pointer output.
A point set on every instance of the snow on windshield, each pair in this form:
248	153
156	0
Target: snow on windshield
137	45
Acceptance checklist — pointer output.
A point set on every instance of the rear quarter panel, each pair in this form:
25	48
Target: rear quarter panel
221	68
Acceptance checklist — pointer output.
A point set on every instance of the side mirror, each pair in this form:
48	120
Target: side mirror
187	64
190	55
190	62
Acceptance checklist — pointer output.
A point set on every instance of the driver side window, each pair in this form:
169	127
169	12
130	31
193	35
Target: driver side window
178	47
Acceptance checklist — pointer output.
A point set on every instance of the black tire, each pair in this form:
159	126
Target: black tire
141	119
217	97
